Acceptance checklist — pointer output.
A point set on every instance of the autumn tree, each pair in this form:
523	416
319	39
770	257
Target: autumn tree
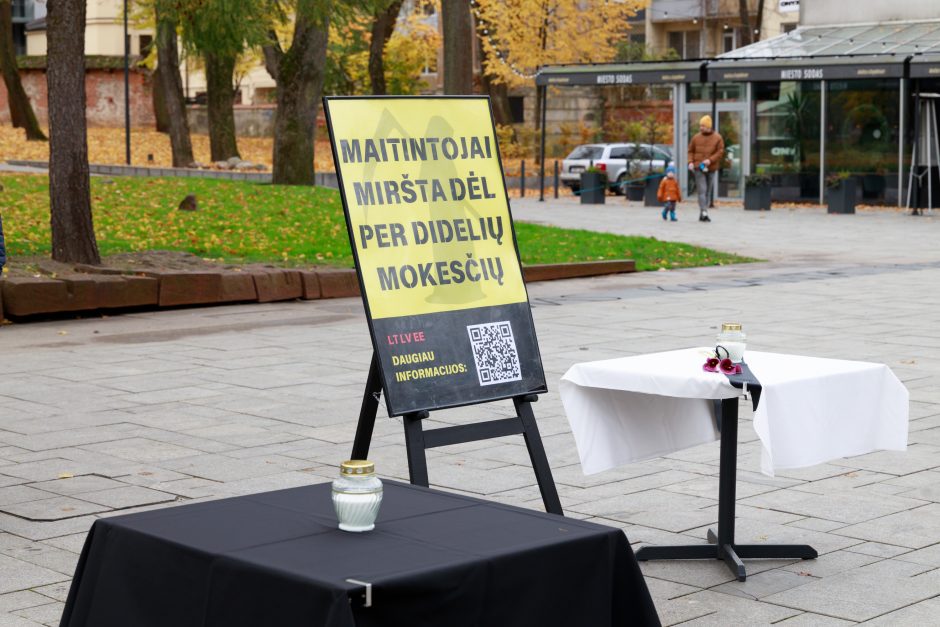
219	31
298	73
21	110
171	85
457	27
351	52
519	36
73	233
383	25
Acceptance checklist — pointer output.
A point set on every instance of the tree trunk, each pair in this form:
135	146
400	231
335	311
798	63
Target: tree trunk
745	23
382	28
760	21
159	103
21	110
458	46
73	233
171	87
221	101
299	75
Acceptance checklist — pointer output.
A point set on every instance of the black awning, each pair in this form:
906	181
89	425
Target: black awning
925	66
622	73
806	69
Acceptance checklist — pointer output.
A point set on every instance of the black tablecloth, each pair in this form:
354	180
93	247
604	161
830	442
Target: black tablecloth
278	559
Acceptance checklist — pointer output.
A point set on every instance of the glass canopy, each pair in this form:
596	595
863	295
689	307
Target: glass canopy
897	38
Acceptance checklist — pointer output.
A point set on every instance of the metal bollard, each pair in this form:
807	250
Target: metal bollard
556	178
522	179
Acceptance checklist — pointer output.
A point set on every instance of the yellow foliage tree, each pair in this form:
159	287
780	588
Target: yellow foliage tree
412	47
519	36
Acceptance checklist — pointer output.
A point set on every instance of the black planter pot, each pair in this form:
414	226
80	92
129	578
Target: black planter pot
636	191
841	198
757	198
593	188
651	190
873	186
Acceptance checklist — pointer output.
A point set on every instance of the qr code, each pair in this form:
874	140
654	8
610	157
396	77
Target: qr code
494	352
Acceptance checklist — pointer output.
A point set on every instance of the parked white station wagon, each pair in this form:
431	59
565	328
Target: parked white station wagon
621	162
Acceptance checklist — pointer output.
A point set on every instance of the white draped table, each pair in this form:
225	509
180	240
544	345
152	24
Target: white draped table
810	410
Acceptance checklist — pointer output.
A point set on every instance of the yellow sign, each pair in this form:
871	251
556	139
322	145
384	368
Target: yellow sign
426	204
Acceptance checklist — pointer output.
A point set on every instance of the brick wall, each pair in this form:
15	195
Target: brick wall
104	94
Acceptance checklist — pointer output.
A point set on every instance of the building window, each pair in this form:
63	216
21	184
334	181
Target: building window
145	42
687	43
729	40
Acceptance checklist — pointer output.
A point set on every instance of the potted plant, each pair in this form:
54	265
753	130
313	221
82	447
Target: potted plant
635	185
840	192
593	186
757	192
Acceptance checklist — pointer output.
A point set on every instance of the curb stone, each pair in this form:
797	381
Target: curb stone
97	288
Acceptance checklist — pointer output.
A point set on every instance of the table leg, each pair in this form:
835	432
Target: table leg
721	545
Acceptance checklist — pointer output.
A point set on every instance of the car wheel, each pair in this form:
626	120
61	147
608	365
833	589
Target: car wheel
575	189
620	186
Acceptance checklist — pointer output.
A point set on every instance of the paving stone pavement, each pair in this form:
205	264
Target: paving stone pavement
145	410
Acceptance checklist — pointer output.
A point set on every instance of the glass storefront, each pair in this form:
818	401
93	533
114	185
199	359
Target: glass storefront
785	142
862	134
730	104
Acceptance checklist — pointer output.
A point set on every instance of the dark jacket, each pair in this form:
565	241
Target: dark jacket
3	248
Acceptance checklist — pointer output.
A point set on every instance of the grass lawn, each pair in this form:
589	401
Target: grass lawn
250	222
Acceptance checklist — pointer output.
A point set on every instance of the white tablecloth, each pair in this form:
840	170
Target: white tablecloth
811	410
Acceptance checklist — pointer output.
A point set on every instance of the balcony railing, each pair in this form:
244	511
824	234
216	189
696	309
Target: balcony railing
672	10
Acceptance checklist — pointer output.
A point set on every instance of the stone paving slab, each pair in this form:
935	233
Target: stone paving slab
152	409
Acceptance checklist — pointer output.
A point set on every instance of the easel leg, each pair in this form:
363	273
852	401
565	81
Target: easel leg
533	441
414	443
370	406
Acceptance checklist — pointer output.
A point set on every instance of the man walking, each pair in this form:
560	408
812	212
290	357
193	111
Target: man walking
705	151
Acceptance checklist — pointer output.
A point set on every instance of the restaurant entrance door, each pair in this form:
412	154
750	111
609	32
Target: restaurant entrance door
733	124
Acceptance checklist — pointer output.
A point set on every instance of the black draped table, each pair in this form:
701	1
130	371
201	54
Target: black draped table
278	559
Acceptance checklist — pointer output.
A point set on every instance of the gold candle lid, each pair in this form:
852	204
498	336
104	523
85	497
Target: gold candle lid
357	467
731	326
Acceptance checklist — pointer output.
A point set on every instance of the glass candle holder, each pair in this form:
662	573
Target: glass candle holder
733	340
357	496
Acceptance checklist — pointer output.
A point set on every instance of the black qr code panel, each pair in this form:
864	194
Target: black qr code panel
494	352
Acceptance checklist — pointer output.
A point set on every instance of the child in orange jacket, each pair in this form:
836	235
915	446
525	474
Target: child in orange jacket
669	193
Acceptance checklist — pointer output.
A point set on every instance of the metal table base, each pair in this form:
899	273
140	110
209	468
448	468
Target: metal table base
722	545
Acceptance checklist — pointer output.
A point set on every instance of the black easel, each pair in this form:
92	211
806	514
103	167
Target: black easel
417	440
722	545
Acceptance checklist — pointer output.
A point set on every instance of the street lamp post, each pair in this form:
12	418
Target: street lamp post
127	91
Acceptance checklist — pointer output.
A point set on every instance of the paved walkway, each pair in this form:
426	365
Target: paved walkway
153	409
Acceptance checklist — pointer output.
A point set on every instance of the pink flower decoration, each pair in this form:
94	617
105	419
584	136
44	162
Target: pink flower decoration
726	366
711	364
